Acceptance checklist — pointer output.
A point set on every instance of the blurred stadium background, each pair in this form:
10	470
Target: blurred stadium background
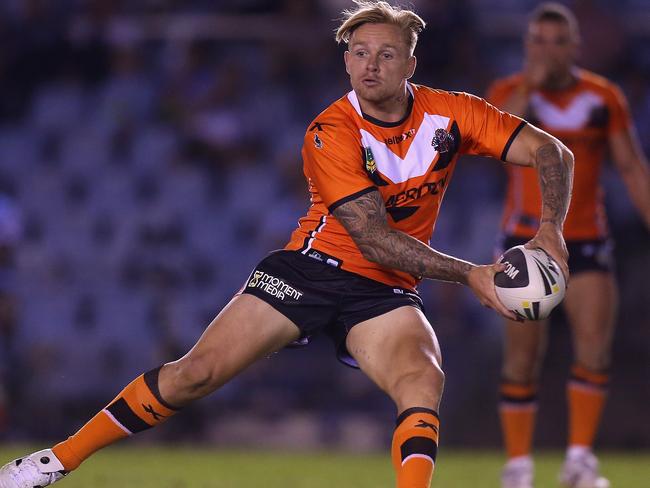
150	156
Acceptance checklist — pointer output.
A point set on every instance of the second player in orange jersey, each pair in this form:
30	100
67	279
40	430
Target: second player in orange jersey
590	115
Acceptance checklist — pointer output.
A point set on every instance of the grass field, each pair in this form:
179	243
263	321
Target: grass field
205	468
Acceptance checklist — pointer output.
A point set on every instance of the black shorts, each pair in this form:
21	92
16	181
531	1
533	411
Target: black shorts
321	297
584	255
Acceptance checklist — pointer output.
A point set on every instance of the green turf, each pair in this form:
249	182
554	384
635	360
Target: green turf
205	468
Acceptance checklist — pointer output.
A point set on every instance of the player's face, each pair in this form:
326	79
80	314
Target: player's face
378	62
552	44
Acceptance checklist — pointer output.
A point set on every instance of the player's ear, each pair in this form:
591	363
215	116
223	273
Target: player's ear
412	63
346	58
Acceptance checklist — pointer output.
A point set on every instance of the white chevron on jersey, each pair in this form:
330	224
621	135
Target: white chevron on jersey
420	154
574	116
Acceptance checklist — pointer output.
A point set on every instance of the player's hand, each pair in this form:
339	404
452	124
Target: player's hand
536	73
481	281
549	237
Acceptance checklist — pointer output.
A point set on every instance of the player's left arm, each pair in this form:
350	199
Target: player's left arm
631	163
554	163
488	131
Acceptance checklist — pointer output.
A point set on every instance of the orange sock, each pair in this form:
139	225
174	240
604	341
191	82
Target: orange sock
586	394
517	409
138	407
415	445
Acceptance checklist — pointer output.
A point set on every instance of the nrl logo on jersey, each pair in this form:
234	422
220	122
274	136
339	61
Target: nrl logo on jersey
371	164
442	141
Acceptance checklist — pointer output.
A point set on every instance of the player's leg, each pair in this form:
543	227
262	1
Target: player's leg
400	353
590	304
246	329
523	352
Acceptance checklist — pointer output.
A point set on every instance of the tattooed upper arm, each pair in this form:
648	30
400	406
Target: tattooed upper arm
365	220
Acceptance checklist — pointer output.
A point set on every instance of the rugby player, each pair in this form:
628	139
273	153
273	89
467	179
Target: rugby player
590	115
377	162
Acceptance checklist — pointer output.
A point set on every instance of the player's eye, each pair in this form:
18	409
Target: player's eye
360	54
387	56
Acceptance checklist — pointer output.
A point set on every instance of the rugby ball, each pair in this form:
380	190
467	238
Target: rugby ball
532	284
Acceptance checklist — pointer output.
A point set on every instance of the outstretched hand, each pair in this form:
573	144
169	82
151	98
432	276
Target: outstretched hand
550	239
481	281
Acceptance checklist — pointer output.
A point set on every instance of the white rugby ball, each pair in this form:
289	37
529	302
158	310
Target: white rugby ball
532	284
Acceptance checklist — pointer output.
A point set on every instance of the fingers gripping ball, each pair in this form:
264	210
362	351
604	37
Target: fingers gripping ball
532	284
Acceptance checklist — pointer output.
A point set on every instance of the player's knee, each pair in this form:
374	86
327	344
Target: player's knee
594	360
522	373
420	386
593	351
521	367
196	375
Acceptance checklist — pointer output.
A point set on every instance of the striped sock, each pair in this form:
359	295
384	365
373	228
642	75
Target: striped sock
586	395
415	445
518	410
138	407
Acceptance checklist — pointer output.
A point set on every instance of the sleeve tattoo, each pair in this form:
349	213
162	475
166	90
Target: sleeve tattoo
556	180
365	220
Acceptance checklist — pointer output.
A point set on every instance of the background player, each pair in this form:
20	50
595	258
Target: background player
590	115
351	267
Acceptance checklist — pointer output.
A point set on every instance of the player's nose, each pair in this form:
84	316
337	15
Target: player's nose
372	65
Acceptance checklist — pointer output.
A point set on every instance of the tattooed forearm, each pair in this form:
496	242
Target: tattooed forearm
365	220
555	168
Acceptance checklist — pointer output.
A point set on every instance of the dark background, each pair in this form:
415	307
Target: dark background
150	156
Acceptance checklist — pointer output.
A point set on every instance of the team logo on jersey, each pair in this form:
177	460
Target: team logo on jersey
401	138
371	164
442	141
317	142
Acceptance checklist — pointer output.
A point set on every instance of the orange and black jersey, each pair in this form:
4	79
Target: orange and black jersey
583	117
347	153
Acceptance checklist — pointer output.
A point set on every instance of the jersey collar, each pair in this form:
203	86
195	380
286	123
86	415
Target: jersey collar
352	97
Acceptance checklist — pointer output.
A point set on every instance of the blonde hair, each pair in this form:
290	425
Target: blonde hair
380	12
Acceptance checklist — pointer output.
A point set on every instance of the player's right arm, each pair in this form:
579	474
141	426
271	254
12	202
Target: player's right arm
365	220
513	95
512	100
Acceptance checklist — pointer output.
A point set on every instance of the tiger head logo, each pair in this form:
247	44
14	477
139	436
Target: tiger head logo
442	141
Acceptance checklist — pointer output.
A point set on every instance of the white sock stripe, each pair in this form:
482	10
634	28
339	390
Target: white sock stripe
116	422
579	385
418	455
